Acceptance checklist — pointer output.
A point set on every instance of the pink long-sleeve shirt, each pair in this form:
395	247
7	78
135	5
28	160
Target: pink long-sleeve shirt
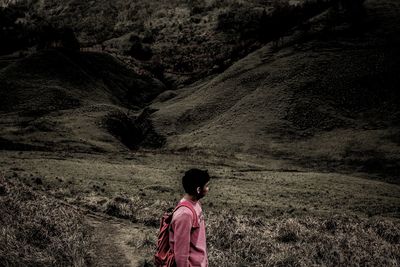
189	244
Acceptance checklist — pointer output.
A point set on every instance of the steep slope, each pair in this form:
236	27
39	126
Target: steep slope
57	100
325	98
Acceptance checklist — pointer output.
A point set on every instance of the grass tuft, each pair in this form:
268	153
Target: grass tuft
136	209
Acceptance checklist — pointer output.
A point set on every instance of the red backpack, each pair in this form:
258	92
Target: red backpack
164	256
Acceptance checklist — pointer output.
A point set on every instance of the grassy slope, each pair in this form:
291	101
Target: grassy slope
77	79
321	99
59	100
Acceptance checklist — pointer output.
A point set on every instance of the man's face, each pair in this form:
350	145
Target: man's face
202	192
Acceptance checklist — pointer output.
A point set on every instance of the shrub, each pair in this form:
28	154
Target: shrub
48	35
136	209
13	35
122	207
196	7
148	37
353	7
253	24
134	132
138	50
68	39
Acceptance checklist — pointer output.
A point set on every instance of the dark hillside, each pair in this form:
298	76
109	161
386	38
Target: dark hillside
328	98
333	76
63	100
70	78
187	40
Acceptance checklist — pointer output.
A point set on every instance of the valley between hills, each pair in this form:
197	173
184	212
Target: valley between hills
301	140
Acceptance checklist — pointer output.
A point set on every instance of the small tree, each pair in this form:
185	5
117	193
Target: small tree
46	34
350	10
354	8
69	40
196	7
137	49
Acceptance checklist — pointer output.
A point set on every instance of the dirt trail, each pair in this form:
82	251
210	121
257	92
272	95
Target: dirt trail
111	241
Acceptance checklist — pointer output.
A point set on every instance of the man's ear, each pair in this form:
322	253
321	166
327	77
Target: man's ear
198	190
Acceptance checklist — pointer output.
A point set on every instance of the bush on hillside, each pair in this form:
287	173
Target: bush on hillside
350	6
136	209
68	39
49	36
148	36
134	132
196	7
13	34
157	68
20	31
268	26
138	50
351	11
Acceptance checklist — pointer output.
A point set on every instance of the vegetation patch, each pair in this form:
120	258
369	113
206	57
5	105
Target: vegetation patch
236	240
6	144
134	132
310	116
136	209
242	240
36	230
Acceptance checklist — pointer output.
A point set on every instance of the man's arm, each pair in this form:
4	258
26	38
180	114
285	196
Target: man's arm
182	227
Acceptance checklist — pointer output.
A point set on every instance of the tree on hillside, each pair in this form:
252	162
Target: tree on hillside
353	9
138	50
196	6
48	36
13	34
157	68
68	39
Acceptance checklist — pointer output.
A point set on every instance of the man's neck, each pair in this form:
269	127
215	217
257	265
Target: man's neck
190	198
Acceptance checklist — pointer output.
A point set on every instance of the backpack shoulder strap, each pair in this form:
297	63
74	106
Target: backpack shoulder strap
188	205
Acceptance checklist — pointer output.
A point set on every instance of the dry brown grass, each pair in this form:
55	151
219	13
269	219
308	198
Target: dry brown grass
135	209
254	217
36	230
333	240
235	240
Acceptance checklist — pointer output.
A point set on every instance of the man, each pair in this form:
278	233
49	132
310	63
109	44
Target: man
187	236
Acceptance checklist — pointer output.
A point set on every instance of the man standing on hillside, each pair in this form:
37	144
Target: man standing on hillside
187	235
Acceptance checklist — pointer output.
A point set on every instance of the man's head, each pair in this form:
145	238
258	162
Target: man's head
195	182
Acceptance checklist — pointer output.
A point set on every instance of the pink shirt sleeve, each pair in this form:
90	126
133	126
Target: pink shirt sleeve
182	225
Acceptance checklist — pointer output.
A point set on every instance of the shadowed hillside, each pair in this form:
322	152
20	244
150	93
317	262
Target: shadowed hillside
179	41
328	98
79	101
75	80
